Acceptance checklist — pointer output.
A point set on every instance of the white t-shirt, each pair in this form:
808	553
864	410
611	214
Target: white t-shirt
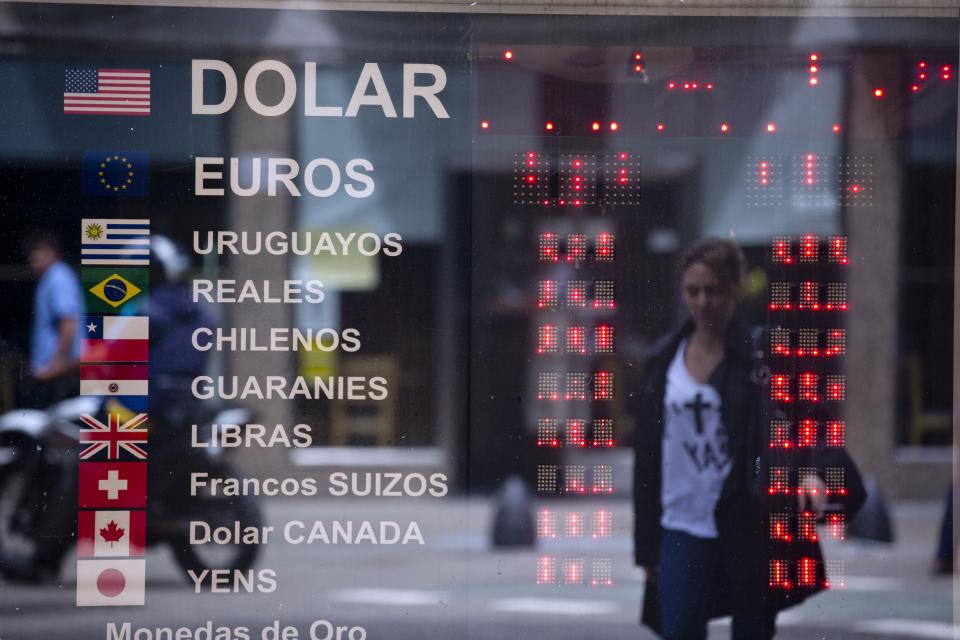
696	459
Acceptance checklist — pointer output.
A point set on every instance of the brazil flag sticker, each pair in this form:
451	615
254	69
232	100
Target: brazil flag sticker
112	291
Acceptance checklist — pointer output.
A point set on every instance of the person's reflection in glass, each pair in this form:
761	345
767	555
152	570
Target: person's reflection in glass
55	337
700	521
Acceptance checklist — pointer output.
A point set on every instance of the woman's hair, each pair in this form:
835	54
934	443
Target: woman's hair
723	257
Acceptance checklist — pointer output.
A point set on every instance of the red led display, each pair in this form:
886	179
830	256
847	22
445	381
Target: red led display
603	385
780	434
603	339
808	387
546	524
547	294
578	178
547	339
780	388
576	433
836	387
546	570
601	574
602	436
836	526
807	526
573	524
576	340
808	342
836	433
548	385
809	295
780	527
621	179
576	248
602	524
806	572
807	433
836	296
835	342
547	479
779	481
603	295
836	570
836	486
807	481
780	296
576	386
549	247
548	432
780	341
577	293
837	250
573	571
809	248
779	574
857	177
781	250
603	247
531	178
574	479
602	479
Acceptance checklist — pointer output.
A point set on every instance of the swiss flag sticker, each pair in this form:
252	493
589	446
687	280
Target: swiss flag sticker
113	484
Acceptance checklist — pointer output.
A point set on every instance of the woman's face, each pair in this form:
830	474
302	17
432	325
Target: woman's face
710	303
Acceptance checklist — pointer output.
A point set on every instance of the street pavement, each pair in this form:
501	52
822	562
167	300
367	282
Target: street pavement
455	586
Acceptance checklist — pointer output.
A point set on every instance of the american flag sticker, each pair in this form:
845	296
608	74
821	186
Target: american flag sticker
119	92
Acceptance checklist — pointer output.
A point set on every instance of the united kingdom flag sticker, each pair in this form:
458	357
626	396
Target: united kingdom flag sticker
111	582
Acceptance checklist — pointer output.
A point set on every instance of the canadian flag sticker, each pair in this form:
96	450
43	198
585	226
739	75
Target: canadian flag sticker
110	582
111	534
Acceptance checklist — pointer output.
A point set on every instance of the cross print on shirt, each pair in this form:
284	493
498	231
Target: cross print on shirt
697	406
113	484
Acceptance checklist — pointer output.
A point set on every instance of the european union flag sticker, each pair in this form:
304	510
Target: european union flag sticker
115	173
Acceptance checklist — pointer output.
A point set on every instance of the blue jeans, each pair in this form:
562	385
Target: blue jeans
689	576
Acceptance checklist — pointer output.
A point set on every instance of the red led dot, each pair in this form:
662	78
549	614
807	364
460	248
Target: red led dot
694	86
945	68
724	127
855	188
914	88
878	92
595	126
661	126
614	126
578	163
622	156
922	76
671	85
638	56
814	57
771	127
814	81
508	55
836	128
709	86
922	65
549	126
484	124
638	68
686	86
531	179
814	68
946	76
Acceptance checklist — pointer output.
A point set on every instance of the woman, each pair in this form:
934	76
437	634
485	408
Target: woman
701	530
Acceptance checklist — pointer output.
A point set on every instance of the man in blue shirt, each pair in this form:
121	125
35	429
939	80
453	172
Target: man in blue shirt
55	332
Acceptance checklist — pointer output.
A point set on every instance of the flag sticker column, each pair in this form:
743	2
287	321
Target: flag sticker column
112	495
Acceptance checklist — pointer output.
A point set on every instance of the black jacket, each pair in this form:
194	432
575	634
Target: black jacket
743	507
